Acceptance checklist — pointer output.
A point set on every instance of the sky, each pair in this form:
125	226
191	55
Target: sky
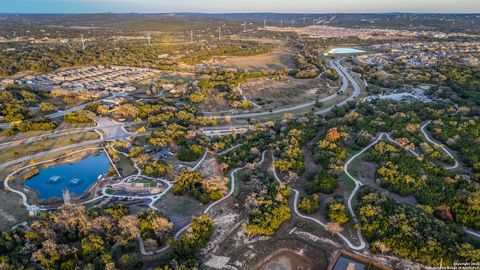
229	6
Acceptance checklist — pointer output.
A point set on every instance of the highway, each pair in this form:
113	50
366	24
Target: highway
346	77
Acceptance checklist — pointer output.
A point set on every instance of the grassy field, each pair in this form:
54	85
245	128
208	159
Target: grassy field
279	59
44	145
125	166
288	91
150	182
22	136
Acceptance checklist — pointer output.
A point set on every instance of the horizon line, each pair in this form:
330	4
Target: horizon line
240	12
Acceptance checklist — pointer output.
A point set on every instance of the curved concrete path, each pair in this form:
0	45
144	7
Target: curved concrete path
362	244
427	137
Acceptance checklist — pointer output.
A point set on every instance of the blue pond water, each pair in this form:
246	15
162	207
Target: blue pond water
76	177
345	51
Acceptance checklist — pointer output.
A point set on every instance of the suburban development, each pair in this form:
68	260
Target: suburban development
240	141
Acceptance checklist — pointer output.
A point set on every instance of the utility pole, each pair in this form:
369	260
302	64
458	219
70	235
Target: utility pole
219	33
264	23
149	38
292	23
83	43
191	36
281	23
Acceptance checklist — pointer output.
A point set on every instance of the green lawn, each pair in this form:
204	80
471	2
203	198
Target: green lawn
151	183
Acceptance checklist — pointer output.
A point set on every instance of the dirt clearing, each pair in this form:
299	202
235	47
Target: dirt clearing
278	59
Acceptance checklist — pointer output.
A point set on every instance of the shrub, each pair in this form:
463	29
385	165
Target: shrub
309	205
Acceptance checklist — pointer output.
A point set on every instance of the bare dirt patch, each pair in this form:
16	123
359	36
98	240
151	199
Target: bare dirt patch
286	259
179	209
271	94
279	59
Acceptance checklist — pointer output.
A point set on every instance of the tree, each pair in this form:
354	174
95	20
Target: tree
79	117
128	110
323	182
130	226
187	247
187	181
309	205
333	228
92	246
131	261
336	212
47	107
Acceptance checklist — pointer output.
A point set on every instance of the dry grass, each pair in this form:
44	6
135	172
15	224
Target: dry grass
44	145
279	59
272	94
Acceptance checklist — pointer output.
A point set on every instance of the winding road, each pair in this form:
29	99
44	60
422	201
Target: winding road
362	244
358	183
427	137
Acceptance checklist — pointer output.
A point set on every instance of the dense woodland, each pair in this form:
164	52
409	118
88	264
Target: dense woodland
72	237
412	232
49	57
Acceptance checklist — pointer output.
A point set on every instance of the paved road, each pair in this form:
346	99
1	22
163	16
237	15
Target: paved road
110	127
425	134
76	108
245	98
65	148
346	77
358	183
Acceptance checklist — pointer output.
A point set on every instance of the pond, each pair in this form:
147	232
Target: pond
345	51
77	177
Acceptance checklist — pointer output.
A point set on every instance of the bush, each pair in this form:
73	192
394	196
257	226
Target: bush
309	205
323	182
337	212
131	261
79	117
47	107
186	154
38	124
